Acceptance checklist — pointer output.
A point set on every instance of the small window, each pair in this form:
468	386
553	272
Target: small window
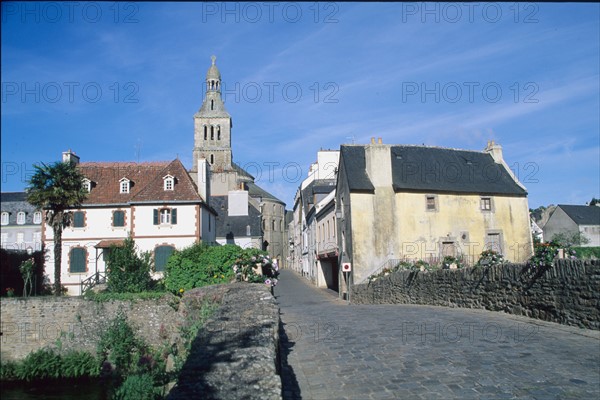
212	132
169	182
77	260
87	185
165	216
119	218
78	219
124	185
20	238
218	132
21	217
37	217
212	159
494	242
37	240
274	226
248	233
205	133
4	218
431	203
486	204
161	256
4	240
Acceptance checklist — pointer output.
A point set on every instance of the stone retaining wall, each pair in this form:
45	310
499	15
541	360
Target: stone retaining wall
567	293
236	355
29	324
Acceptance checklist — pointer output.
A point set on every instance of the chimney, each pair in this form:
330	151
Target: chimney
70	156
379	141
204	179
378	164
372	140
495	150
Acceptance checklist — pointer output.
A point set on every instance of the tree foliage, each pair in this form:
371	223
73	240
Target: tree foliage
200	265
569	239
127	271
57	188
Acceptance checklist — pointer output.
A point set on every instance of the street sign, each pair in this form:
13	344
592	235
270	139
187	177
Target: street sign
346	267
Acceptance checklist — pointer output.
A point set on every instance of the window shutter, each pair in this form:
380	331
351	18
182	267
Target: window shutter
78	256
174	216
161	256
119	218
78	219
155	216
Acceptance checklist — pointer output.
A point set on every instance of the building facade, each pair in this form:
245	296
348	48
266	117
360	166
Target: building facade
425	203
575	219
157	204
21	223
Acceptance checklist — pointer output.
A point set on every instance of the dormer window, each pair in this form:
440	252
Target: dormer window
21	218
169	182
87	185
124	185
4	218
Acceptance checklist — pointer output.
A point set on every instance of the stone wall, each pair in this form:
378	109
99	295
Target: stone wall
29	324
567	293
236	355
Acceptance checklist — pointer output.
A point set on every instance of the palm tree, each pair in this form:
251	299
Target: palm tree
56	188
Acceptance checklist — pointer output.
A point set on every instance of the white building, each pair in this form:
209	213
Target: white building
156	203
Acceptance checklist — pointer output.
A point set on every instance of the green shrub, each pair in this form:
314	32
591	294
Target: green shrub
587	252
77	364
128	272
489	258
120	346
200	265
40	364
8	370
109	296
138	387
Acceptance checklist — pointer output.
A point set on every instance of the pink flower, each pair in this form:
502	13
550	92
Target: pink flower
268	282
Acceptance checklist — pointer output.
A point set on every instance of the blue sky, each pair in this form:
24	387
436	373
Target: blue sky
122	81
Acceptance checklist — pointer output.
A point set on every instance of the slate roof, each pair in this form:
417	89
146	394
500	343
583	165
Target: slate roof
242	172
433	169
256	191
353	158
146	182
318	188
13	202
582	215
235	225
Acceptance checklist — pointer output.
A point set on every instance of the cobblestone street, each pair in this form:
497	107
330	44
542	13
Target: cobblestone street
332	350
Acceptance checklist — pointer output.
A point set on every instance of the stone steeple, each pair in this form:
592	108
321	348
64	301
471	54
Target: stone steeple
212	126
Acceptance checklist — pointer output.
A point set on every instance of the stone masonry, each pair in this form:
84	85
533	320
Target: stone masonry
567	293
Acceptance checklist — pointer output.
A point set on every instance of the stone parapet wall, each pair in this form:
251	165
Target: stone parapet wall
236	354
567	293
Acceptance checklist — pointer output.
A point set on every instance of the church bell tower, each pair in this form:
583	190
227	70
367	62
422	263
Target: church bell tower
212	126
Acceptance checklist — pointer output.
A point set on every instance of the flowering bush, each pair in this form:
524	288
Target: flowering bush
545	254
450	262
253	265
10	292
489	258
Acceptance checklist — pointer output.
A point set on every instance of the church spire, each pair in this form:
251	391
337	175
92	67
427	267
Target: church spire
213	77
213	105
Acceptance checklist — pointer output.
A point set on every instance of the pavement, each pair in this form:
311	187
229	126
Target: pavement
334	350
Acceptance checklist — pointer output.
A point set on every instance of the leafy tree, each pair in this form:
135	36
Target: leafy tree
594	201
57	188
566	239
128	272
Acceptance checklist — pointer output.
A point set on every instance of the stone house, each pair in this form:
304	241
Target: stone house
572	219
398	202
156	203
21	223
212	141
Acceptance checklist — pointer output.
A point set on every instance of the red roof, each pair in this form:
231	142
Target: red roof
146	182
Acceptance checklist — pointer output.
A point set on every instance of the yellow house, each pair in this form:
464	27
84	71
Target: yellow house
398	202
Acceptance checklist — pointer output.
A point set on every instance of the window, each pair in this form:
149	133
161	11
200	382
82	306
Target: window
161	256
212	159
87	185
212	132
124	185
77	260
431	203
37	217
486	204
78	219
21	217
165	216
273	225
4	240
119	218
218	132
168	182
20	238
205	133
4	218
248	233
493	242
37	241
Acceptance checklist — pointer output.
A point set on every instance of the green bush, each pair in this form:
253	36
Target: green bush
8	371
128	272
47	364
138	387
200	265
120	346
587	252
76	364
41	364
101	297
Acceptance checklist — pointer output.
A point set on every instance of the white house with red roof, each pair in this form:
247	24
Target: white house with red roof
158	204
